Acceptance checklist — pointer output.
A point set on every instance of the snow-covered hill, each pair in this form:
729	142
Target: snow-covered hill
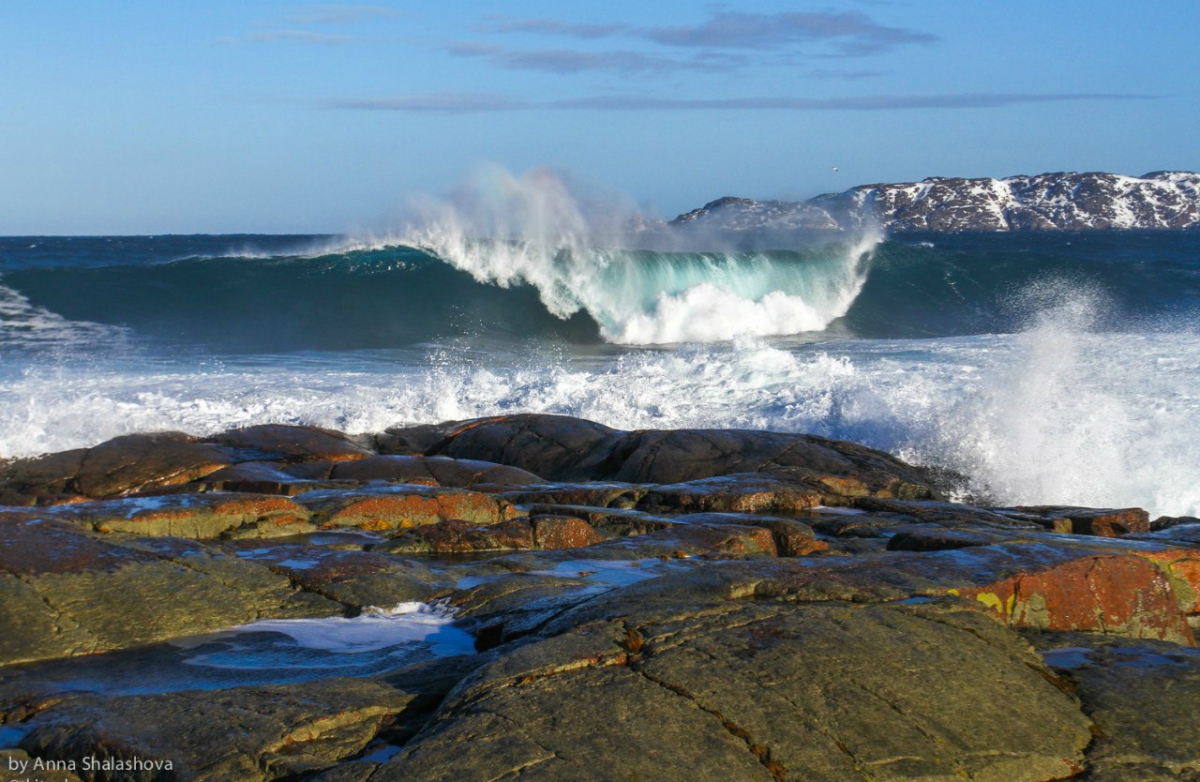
1046	202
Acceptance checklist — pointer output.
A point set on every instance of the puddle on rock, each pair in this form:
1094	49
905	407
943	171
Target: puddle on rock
11	735
277	651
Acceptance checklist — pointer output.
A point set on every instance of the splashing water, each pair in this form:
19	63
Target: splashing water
505	230
1069	415
1048	415
1088	401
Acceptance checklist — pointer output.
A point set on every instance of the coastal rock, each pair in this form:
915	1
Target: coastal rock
949	514
555	447
384	508
1166	522
737	493
593	494
456	536
119	466
563	532
1102	522
262	478
793	538
135	462
443	471
765	691
281	731
197	516
940	539
357	579
1025	585
610	522
41	481
1185	532
570	449
1143	697
64	591
294	443
682	603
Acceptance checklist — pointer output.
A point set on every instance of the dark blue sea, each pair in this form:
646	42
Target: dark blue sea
1048	367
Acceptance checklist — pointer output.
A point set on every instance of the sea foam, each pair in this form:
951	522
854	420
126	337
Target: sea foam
1053	414
508	230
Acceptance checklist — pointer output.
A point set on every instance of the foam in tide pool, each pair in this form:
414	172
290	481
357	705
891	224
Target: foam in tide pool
408	632
262	653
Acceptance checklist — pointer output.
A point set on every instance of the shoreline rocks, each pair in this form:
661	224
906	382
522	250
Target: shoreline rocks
681	604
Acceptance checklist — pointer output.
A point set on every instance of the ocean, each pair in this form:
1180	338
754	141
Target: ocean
1048	368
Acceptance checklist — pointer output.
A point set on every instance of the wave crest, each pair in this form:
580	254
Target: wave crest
506	230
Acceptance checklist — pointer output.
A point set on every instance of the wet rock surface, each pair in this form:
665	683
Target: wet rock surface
1143	697
542	597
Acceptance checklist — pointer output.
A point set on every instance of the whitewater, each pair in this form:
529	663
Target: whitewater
1048	368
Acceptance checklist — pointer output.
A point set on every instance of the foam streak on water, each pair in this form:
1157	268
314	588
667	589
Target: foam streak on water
24	326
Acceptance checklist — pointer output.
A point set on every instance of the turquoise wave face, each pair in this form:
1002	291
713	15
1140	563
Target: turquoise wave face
306	293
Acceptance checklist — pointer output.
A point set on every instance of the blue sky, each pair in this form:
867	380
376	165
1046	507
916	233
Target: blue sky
155	117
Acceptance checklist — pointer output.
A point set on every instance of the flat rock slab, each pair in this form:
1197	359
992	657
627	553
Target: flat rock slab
64	591
383	508
792	537
265	478
612	522
760	691
258	734
945	513
1026	585
441	470
456	536
593	494
738	493
1143	696
357	579
1184	533
196	516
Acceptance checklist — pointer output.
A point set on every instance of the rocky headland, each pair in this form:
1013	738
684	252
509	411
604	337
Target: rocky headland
650	605
1045	202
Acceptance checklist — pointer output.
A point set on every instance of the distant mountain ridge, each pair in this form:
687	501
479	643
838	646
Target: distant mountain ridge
1045	202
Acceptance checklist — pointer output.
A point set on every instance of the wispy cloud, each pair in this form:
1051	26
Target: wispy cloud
507	24
434	102
313	15
484	102
338	14
567	61
821	73
303	36
850	33
863	103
